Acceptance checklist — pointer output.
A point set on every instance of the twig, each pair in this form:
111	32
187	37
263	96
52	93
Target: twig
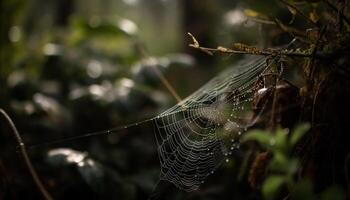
26	158
166	83
299	12
275	96
159	74
269	52
337	11
295	33
313	53
262	21
314	104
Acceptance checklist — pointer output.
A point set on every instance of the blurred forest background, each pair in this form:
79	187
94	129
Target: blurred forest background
68	68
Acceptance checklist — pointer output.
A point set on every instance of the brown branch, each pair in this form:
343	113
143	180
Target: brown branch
269	52
299	12
26	158
141	49
313	53
333	7
295	33
261	21
262	53
166	83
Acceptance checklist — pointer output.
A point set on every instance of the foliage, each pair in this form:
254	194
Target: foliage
283	167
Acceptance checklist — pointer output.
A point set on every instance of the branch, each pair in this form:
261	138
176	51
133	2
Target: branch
337	11
26	158
313	53
250	50
299	12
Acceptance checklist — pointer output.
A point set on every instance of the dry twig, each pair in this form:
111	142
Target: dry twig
25	156
267	52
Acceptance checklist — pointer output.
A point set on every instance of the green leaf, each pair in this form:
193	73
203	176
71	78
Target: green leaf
279	162
298	133
244	165
334	193
302	190
293	165
271	187
264	138
281	141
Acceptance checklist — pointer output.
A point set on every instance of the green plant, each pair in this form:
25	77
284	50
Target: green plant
283	165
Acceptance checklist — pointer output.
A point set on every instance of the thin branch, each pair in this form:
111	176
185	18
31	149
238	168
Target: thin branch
313	53
333	7
262	21
26	158
166	83
159	74
299	12
295	33
268	52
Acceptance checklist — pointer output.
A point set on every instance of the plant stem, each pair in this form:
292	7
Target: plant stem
26	158
262	53
299	11
337	11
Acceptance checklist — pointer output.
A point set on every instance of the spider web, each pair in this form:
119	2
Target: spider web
195	136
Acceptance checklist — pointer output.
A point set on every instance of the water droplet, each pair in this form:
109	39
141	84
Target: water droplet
232	148
227	160
239	132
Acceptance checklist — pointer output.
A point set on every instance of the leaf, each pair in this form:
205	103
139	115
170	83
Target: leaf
65	156
222	49
293	11
279	163
314	16
92	172
281	141
293	165
264	138
244	166
251	13
334	193
298	133
272	186
195	42
302	190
